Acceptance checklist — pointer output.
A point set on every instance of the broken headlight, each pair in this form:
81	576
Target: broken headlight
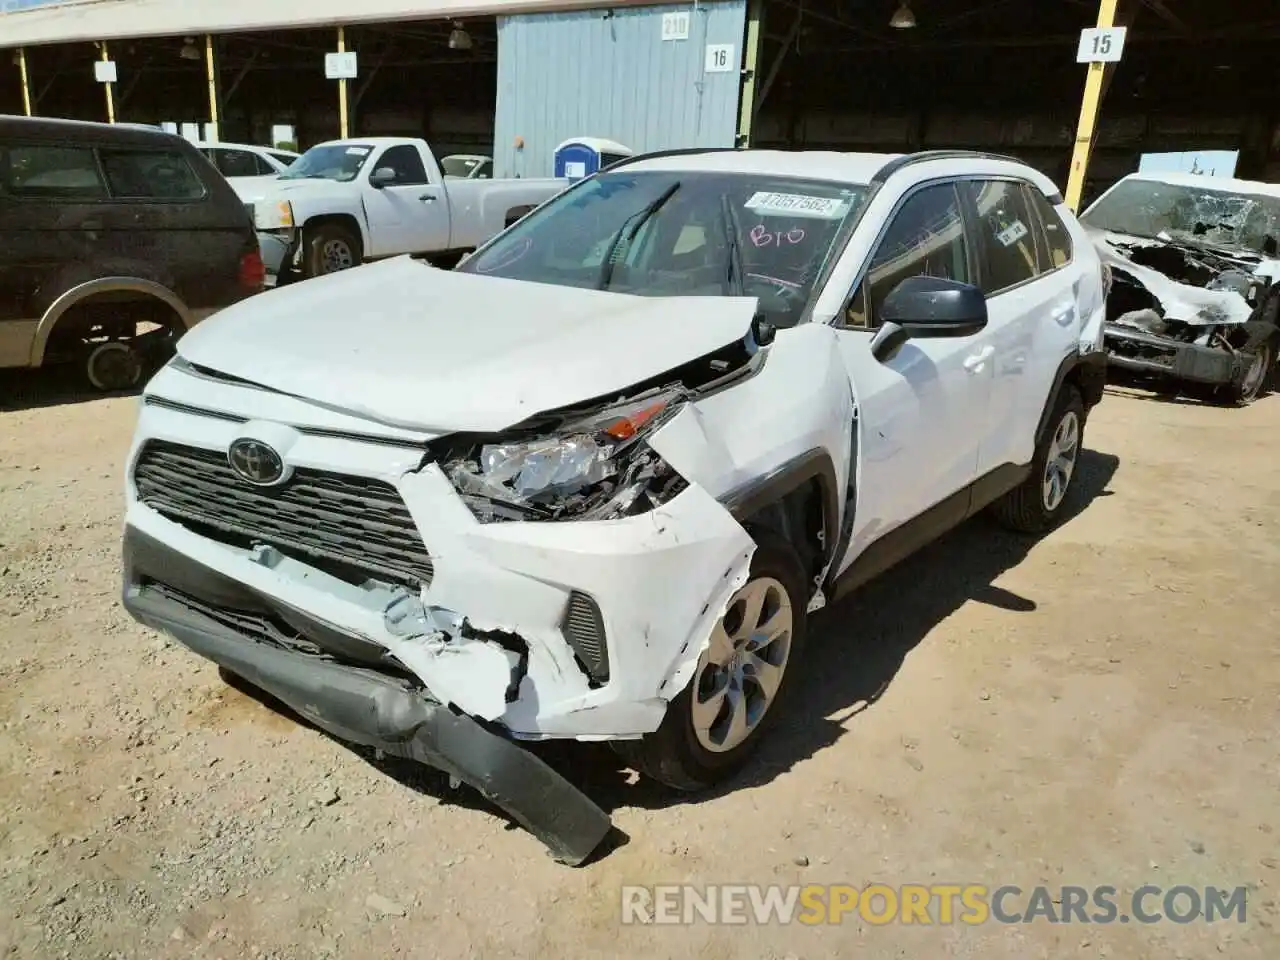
596	467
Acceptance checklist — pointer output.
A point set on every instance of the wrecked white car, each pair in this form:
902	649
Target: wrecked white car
589	484
1195	266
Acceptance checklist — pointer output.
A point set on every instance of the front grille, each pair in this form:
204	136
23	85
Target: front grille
583	630
354	524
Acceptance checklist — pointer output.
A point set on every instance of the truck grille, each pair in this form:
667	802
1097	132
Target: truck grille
354	523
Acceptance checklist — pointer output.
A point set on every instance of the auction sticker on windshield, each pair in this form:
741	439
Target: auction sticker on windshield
357	151
797	205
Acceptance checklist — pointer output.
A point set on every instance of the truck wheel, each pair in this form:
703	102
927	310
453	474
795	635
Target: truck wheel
1037	504
328	249
741	682
1253	381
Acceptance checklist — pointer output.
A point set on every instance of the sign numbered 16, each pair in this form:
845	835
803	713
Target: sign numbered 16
1100	45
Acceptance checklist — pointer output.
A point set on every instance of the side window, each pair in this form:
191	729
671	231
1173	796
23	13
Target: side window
50	173
485	172
407	164
925	238
236	163
283	159
1056	237
1006	229
150	175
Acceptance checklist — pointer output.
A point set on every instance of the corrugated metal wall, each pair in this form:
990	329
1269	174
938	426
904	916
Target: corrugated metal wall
609	73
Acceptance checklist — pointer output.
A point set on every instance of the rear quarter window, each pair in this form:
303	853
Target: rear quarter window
1057	239
163	175
51	172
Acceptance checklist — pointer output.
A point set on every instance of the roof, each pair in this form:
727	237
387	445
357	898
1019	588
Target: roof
92	20
857	168
208	144
83	130
813	164
599	144
1223	184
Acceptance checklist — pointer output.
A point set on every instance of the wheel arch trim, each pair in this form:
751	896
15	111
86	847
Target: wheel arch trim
90	288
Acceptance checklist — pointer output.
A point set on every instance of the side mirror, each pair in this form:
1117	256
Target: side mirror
762	331
382	177
927	307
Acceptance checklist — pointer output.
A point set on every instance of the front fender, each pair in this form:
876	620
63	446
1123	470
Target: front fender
332	205
788	422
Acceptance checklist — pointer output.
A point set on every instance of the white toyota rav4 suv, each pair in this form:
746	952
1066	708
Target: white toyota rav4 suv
589	484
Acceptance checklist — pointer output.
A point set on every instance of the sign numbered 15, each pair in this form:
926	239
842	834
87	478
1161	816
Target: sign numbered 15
1100	45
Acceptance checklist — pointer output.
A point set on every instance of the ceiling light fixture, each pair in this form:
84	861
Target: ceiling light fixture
189	50
903	18
459	39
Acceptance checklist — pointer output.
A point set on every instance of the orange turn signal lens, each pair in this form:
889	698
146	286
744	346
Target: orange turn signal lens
624	428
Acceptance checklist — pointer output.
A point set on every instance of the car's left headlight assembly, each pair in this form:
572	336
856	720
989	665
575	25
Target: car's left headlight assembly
592	468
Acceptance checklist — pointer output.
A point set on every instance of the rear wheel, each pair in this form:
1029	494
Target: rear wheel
741	682
1037	504
113	365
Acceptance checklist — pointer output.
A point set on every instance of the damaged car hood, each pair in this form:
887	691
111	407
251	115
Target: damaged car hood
1185	302
409	345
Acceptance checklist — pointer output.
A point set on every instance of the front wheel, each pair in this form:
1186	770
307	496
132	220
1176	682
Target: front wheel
741	682
1038	503
329	248
1254	379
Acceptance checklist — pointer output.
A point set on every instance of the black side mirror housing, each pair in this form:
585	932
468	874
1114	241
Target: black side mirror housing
382	177
762	331
925	308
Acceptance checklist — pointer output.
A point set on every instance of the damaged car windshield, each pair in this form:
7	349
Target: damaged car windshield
1149	208
682	234
339	162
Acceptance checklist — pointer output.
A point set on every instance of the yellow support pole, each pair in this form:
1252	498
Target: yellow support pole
26	81
211	74
342	89
1089	113
111	102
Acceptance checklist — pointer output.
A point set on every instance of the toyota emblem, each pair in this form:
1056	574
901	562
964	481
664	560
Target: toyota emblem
254	461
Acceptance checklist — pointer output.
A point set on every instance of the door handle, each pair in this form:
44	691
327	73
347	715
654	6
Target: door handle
427	198
976	361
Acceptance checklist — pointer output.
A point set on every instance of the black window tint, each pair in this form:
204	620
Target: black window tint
237	163
407	164
486	171
150	175
1055	231
1008	238
50	173
925	238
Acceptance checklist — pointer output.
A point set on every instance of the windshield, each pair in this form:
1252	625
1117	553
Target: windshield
1148	208
329	162
459	166
682	234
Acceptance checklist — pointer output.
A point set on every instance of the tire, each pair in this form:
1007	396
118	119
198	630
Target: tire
329	248
679	756
1255	378
113	365
1035	506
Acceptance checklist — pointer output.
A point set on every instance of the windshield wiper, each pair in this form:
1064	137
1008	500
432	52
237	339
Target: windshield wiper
641	217
735	277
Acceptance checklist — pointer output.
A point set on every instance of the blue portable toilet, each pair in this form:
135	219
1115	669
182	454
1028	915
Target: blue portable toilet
584	156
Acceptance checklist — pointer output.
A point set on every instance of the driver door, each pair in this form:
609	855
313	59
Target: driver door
921	412
409	214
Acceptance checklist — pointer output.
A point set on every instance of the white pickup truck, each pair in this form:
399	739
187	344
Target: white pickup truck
347	201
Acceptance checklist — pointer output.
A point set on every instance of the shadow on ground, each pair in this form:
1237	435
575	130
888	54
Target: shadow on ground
54	387
860	644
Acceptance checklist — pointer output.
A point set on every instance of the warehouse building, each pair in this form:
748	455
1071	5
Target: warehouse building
516	77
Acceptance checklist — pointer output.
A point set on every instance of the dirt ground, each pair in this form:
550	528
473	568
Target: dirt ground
1097	708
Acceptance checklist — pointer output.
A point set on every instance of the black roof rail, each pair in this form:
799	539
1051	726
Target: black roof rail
924	156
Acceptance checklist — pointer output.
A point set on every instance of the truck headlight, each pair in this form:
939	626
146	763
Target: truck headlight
596	467
273	216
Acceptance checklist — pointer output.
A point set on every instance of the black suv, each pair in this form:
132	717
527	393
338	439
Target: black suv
114	241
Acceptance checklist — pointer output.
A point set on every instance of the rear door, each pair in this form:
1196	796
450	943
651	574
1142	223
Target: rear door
52	233
1032	314
919	412
410	214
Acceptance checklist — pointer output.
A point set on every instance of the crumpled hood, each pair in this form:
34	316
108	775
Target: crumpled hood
269	188
1185	302
413	346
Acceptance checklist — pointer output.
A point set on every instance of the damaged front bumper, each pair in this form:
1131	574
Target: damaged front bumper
359	705
1149	353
